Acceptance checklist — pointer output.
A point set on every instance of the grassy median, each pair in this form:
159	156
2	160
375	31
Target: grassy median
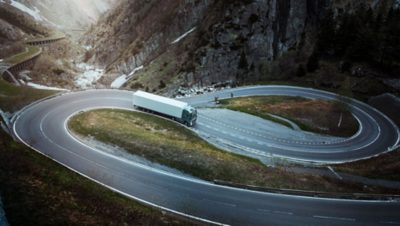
317	116
170	144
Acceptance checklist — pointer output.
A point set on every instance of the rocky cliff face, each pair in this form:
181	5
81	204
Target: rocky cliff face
136	31
227	40
230	39
248	36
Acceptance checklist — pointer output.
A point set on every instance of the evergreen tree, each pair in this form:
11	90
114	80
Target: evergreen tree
301	71
313	62
326	35
243	64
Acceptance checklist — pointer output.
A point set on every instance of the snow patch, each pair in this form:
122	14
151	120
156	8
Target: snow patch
183	36
120	81
135	70
87	47
38	86
89	77
35	12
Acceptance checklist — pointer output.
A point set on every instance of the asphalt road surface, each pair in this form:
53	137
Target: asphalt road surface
376	134
43	126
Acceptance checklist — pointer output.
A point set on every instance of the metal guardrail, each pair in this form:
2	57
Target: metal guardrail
15	61
316	194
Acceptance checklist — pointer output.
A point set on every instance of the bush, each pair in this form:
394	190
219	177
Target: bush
301	71
162	84
313	62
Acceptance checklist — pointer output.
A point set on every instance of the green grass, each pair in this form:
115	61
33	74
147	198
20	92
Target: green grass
38	191
171	144
164	142
317	116
227	103
13	98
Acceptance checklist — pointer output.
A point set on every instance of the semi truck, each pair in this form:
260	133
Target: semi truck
177	110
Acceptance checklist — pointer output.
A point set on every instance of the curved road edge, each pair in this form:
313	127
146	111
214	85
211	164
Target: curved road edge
107	186
124	193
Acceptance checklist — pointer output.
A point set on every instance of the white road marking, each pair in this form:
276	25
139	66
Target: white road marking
335	218
390	222
336	174
283	212
221	203
264	210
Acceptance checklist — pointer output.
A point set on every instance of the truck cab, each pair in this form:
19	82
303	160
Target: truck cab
189	116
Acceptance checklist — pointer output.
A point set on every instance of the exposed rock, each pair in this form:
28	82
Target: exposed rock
242	41
233	38
9	32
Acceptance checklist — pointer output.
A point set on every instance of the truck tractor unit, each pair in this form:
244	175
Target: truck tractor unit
166	107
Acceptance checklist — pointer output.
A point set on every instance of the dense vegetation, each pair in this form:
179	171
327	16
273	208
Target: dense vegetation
361	36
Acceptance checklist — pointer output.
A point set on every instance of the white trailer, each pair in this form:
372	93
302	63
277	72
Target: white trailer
177	110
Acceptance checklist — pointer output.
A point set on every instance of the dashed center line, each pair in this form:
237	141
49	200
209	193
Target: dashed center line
390	222
283	212
264	136
334	218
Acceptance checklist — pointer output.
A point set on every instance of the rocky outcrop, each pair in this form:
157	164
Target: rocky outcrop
248	36
9	32
232	38
137	31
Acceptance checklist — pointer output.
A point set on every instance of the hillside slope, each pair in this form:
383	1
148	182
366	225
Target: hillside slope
197	43
23	20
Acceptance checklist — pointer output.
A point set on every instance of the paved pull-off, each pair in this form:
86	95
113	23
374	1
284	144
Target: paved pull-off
43	126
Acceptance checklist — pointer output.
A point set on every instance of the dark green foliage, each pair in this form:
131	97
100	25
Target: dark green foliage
162	84
301	71
360	36
243	64
327	32
313	62
253	18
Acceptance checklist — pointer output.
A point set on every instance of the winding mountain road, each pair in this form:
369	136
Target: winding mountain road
43	126
376	134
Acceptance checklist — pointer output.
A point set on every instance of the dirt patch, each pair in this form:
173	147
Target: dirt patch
386	166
